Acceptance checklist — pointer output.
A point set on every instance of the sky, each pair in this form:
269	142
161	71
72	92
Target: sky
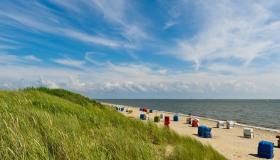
181	49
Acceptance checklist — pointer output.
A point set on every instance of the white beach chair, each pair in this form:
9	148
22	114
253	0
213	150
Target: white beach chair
230	124
147	116
161	116
220	124
189	120
248	133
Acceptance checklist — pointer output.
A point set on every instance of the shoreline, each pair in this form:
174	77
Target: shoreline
204	118
229	142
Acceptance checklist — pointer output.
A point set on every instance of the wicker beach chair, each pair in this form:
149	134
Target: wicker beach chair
278	141
248	133
220	124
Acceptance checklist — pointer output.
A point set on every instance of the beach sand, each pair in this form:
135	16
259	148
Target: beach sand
229	142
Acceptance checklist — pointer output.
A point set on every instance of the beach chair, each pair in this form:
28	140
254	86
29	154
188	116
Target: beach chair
161	116
204	131
220	124
195	122
176	117
145	109
121	109
143	116
248	133
130	111
166	121
156	119
189	120
265	149
278	137
230	124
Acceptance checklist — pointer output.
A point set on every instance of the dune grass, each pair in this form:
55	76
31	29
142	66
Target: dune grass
44	123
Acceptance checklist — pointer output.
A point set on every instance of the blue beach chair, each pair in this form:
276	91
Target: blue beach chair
142	116
204	132
265	149
176	117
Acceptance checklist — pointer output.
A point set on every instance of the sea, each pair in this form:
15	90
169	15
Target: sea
261	113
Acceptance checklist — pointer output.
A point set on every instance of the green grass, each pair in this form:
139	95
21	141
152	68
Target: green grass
57	124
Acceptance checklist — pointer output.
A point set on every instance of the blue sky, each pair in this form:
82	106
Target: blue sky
143	49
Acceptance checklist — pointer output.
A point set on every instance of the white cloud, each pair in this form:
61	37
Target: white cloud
169	24
8	58
14	59
112	11
6	46
7	40
45	83
75	6
69	62
93	39
32	58
230	31
174	13
32	22
120	13
97	39
142	81
96	58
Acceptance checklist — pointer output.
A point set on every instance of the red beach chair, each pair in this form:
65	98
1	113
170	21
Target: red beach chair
195	123
145	109
166	121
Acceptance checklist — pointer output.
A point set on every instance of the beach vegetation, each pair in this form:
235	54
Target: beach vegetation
42	123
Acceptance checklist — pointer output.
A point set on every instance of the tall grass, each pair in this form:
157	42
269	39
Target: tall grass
58	124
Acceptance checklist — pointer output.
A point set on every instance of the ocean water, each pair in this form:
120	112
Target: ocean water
263	113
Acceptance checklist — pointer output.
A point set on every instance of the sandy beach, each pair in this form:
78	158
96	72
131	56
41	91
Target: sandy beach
229	142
